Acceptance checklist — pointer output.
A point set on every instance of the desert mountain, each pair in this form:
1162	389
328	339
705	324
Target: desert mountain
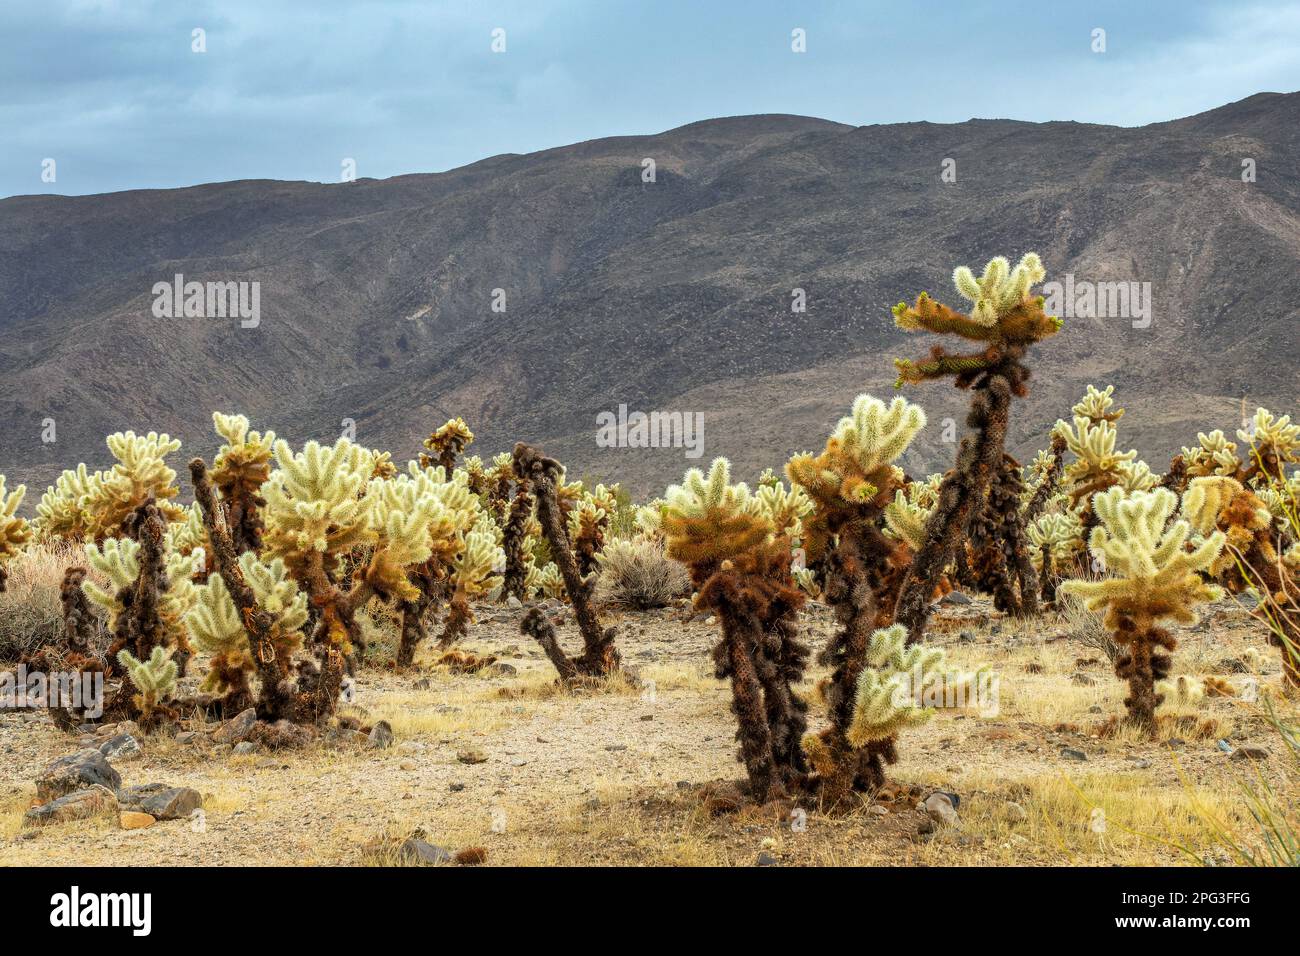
376	297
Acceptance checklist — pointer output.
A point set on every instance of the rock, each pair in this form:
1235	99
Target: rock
927	826
345	737
941	810
134	820
878	810
1083	680
1250	753
613	748
1142	764
244	747
90	729
161	801
237	728
513	602
1234	665
456	787
1225	746
75	772
965	637
500	669
765	859
1069	753
1016	813
423	853
423	683
406	765
220	750
954	597
77	805
187	737
121	747
953	798
381	736
471	756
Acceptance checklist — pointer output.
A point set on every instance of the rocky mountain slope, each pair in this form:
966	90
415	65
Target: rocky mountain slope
377	297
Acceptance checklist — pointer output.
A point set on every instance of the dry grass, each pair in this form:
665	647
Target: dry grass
636	574
31	614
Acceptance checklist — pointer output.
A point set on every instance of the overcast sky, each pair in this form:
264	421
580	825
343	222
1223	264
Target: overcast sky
112	91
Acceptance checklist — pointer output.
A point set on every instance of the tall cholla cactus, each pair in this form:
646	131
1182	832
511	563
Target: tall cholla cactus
741	571
15	532
99	505
853	484
1007	320
446	443
219	630
239	470
1217	505
1152	576
155	682
474	573
899	688
1274	444
588	520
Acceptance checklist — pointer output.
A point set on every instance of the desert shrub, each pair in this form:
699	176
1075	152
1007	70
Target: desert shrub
1086	628
31	615
637	574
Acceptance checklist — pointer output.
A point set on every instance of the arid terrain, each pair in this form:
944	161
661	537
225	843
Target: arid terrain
611	776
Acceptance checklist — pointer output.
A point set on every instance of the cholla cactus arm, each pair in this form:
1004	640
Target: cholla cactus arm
1152	576
550	582
61	512
1096	406
708	519
1274	444
141	474
15	532
241	467
446	443
1215	455
155	681
1136	476
316	508
1097	465
118	560
905	519
784	507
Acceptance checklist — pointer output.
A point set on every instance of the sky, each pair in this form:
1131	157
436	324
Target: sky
116	95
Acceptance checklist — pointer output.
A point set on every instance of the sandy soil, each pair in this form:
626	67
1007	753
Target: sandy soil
609	776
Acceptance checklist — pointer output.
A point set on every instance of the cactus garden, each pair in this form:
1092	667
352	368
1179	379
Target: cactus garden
334	653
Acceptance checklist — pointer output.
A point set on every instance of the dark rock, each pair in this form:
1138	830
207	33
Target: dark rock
1250	753
381	735
237	728
765	859
1069	753
78	805
76	772
954	597
161	801
423	853
244	747
121	747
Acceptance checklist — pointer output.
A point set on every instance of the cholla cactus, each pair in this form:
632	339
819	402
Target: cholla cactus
1152	576
1097	406
740	568
999	560
550	582
1057	538
517	534
1007	321
1274	444
1223	506
97	506
899	687
857	490
1136	476
155	683
446	443
784	507
474	575
768	479
239	470
218	629
855	477
15	532
600	657
1097	465
1215	455
587	521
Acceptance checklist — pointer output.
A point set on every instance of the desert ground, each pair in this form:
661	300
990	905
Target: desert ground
611	775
